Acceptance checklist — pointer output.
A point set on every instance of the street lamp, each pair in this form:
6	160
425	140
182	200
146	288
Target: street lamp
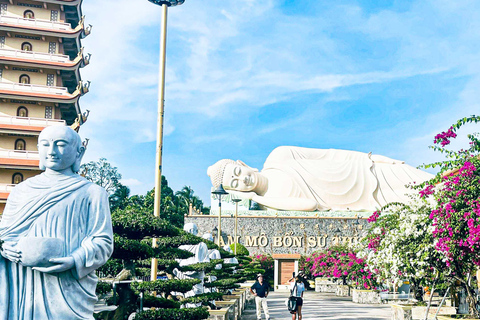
161	98
214	232
219	192
236	200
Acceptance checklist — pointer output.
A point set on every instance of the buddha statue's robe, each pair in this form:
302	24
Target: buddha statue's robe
339	179
65	207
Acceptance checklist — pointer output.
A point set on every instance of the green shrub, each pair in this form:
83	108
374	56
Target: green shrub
241	250
173	314
103	288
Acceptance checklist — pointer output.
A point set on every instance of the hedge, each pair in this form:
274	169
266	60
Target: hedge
173	314
166	286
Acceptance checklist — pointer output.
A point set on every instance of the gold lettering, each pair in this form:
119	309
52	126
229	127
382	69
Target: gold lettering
277	241
231	240
251	241
263	241
297	242
321	241
312	242
287	241
222	243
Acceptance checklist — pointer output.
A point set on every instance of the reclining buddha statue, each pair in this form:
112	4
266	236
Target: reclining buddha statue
304	179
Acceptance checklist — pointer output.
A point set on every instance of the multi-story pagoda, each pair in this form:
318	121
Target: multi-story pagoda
40	83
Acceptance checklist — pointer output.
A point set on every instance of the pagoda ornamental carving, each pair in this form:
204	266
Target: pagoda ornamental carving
40	82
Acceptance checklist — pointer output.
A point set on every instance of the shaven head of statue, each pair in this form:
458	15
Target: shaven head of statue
60	149
191	228
233	175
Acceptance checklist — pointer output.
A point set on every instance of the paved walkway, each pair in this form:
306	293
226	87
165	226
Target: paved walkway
323	306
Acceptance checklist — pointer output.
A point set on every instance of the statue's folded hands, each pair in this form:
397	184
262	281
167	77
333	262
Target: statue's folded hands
60	265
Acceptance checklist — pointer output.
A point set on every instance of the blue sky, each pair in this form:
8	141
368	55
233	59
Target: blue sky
244	77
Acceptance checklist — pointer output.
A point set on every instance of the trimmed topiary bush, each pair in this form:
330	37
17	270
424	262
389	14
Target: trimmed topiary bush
241	250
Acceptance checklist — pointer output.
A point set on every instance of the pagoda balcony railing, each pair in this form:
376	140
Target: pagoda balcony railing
24	121
32	88
19	154
6	187
13	53
35	23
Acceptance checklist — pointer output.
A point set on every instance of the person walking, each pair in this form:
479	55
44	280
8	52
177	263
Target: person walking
260	290
298	288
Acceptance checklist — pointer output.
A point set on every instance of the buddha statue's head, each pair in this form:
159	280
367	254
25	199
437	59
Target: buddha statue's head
191	228
234	175
60	148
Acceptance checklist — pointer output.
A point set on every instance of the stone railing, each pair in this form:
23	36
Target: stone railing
316	214
325	285
23	121
13	53
6	187
40	23
32	88
19	154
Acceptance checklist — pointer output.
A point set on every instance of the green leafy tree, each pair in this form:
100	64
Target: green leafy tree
102	173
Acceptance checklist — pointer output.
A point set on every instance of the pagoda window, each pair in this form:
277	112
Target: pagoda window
28	14
48	112
52	47
54	15
50	80
22	112
17	178
3	9
2	41
20	144
27	46
25	79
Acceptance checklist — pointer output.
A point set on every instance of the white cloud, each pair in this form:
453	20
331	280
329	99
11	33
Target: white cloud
131	182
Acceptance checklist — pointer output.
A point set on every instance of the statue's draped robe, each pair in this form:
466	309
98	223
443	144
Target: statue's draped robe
65	207
342	179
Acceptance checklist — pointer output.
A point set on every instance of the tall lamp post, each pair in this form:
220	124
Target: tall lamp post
219	192
236	223
161	100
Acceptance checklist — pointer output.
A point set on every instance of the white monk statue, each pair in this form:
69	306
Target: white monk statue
200	252
213	253
229	260
56	230
304	179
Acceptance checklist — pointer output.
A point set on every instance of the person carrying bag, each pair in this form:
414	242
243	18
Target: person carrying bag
292	301
295	302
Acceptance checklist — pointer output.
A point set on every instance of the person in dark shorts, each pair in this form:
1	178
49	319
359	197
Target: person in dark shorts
260	290
298	290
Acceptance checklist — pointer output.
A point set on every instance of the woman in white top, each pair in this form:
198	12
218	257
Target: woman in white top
298	290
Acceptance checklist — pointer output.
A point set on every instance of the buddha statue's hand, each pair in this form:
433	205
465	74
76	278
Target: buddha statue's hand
60	265
243	195
10	252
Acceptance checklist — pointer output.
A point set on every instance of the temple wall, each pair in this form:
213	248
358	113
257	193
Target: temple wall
7	174
273	235
40	13
35	77
8	142
34	110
